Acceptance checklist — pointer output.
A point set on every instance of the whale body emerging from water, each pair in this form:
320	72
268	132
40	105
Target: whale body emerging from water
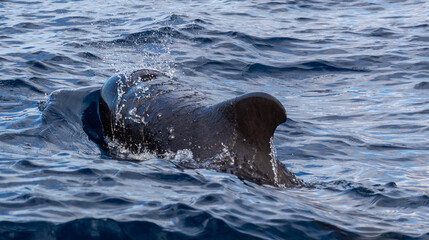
149	111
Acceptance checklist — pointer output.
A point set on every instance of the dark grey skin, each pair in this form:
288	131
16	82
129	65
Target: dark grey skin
151	111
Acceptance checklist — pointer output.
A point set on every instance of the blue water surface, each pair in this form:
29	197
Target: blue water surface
352	75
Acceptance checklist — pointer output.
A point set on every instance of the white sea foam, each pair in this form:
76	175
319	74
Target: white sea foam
123	152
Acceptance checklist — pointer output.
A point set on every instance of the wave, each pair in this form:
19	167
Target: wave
91	228
20	83
304	67
422	85
387	195
320	66
199	225
144	37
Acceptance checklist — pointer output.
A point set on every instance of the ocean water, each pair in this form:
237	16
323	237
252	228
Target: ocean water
352	75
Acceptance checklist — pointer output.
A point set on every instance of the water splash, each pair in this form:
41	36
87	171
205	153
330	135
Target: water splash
123	152
274	161
219	160
140	53
183	157
133	116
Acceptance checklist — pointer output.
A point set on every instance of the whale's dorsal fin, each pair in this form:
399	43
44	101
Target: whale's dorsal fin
255	115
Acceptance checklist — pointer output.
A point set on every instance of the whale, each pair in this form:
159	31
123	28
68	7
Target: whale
149	111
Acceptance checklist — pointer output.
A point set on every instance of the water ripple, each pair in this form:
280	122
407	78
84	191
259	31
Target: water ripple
352	75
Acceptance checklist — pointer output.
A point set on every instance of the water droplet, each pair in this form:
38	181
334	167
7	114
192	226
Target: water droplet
171	137
171	130
159	115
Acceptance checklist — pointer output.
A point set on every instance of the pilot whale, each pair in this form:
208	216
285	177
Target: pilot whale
150	111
